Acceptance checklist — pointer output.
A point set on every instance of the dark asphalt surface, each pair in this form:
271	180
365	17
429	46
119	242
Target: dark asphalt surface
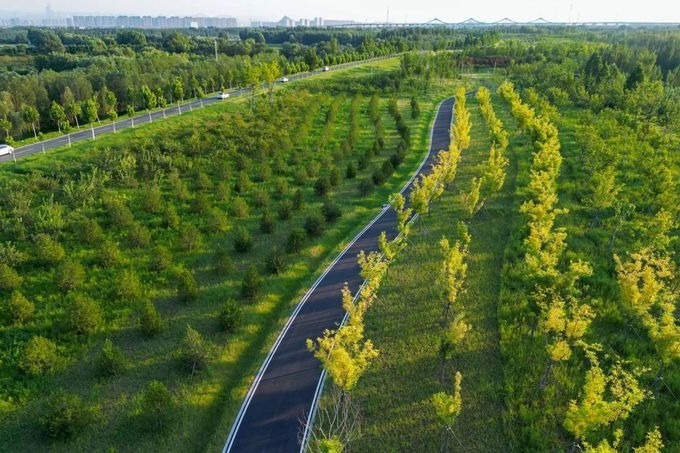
87	132
282	394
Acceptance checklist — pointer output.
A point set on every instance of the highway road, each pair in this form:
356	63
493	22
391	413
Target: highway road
283	391
91	132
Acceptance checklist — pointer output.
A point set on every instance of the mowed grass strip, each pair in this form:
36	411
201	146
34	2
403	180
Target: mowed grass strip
405	325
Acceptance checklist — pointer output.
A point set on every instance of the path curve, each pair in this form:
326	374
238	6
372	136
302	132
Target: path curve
284	388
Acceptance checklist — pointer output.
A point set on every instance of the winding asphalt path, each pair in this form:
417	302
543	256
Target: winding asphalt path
281	395
91	132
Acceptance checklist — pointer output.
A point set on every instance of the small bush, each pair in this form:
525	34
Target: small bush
314	225
19	309
83	315
9	278
222	191
267	223
150	321
65	415
331	211
48	250
170	217
322	185
201	204
351	171
378	177
363	162
160	259
387	169
119	214
109	255
216	221
285	209
203	181
230	316
152	199
139	236
261	198
187	288
298	200
193	353
366	186
90	232
111	360
70	275
128	287
243	241
222	261
275	262
39	356
239	207
250	286
156	405
296	240
334	177
189	237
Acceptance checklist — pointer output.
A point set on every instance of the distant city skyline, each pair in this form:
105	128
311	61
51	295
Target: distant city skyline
362	11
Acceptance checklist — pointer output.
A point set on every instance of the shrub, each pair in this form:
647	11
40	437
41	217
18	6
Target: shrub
150	321
9	278
201	203
48	250
242	183
250	286
285	209
216	221
203	181
239	207
69	275
108	254
275	262
334	177
90	232
387	169
119	214
170	217
19	309
83	315
193	353
128	286
261	198
152	199
298	200
296	240
322	185
366	186
187	288
230	316
223	263
314	224
396	159
156	405
65	415
161	259
364	161
378	177
415	108
139	236
243	241
39	356
111	360
351	171
267	224
331	211
222	191
189	237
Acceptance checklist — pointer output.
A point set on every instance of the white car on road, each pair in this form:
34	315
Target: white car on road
222	95
283	79
6	149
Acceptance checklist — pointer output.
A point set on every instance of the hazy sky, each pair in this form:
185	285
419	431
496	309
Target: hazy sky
362	10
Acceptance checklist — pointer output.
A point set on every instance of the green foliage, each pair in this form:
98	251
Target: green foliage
322	185
314	224
331	211
222	261
160	258
138	236
65	415
267	223
239	207
251	284
187	287
150	320
296	240
156	405
231	316
193	352
70	275
128	287
83	315
18	309
39	356
275	262
48	250
189	237
108	254
111	360
9	278
243	241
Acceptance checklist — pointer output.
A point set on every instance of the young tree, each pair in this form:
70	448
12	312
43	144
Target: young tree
193	353
156	405
57	114
39	356
31	116
111	361
83	315
447	407
150	320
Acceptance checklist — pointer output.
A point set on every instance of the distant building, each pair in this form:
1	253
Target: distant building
152	22
286	22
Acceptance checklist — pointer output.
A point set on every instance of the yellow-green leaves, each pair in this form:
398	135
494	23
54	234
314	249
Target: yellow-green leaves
448	406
